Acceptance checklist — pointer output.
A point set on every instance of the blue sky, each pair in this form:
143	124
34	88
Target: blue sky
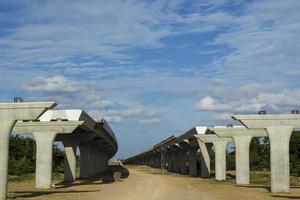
153	68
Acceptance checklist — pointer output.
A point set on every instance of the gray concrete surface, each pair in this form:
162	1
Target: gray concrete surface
220	146
44	133
242	138
9	114
279	129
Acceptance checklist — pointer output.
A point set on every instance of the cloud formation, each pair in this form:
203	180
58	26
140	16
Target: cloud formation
140	62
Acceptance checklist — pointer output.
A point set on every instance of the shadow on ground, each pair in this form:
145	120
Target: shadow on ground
267	187
286	196
31	194
108	176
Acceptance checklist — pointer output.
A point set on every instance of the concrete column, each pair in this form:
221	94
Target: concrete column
204	159
70	160
44	149
85	149
242	145
98	161
156	161
162	160
193	161
6	128
176	165
93	161
182	161
279	137
170	160
103	162
220	159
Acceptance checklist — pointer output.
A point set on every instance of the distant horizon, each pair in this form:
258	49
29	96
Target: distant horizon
153	69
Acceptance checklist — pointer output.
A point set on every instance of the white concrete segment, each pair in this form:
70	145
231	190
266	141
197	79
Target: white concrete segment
70	160
88	131
44	133
192	161
279	129
85	148
242	138
9	114
220	145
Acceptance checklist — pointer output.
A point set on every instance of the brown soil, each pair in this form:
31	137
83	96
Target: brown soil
149	184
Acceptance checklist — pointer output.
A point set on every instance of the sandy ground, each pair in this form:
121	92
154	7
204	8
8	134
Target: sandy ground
145	183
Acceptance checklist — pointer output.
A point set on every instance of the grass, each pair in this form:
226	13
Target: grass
256	177
56	177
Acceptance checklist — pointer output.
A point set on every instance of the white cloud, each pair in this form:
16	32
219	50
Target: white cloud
107	29
281	102
86	95
222	116
142	115
149	121
102	104
55	84
264	40
209	103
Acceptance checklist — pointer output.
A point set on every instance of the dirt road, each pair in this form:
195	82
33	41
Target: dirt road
145	183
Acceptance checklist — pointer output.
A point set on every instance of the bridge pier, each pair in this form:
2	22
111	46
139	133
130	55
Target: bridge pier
70	160
279	129
44	151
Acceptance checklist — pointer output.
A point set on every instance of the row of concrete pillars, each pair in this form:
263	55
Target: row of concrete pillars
182	159
278	128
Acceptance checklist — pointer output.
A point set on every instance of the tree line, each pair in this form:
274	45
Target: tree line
22	155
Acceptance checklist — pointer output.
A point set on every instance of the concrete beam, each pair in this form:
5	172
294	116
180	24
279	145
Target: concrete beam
279	129
9	114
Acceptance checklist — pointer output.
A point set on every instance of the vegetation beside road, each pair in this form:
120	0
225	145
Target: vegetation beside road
22	155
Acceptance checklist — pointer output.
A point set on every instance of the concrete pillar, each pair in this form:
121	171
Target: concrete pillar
176	160
85	156
70	160
220	159
242	166
162	160
103	162
93	161
182	161
193	161
98	168
279	137
44	149
169	160
6	128
204	159
157	165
